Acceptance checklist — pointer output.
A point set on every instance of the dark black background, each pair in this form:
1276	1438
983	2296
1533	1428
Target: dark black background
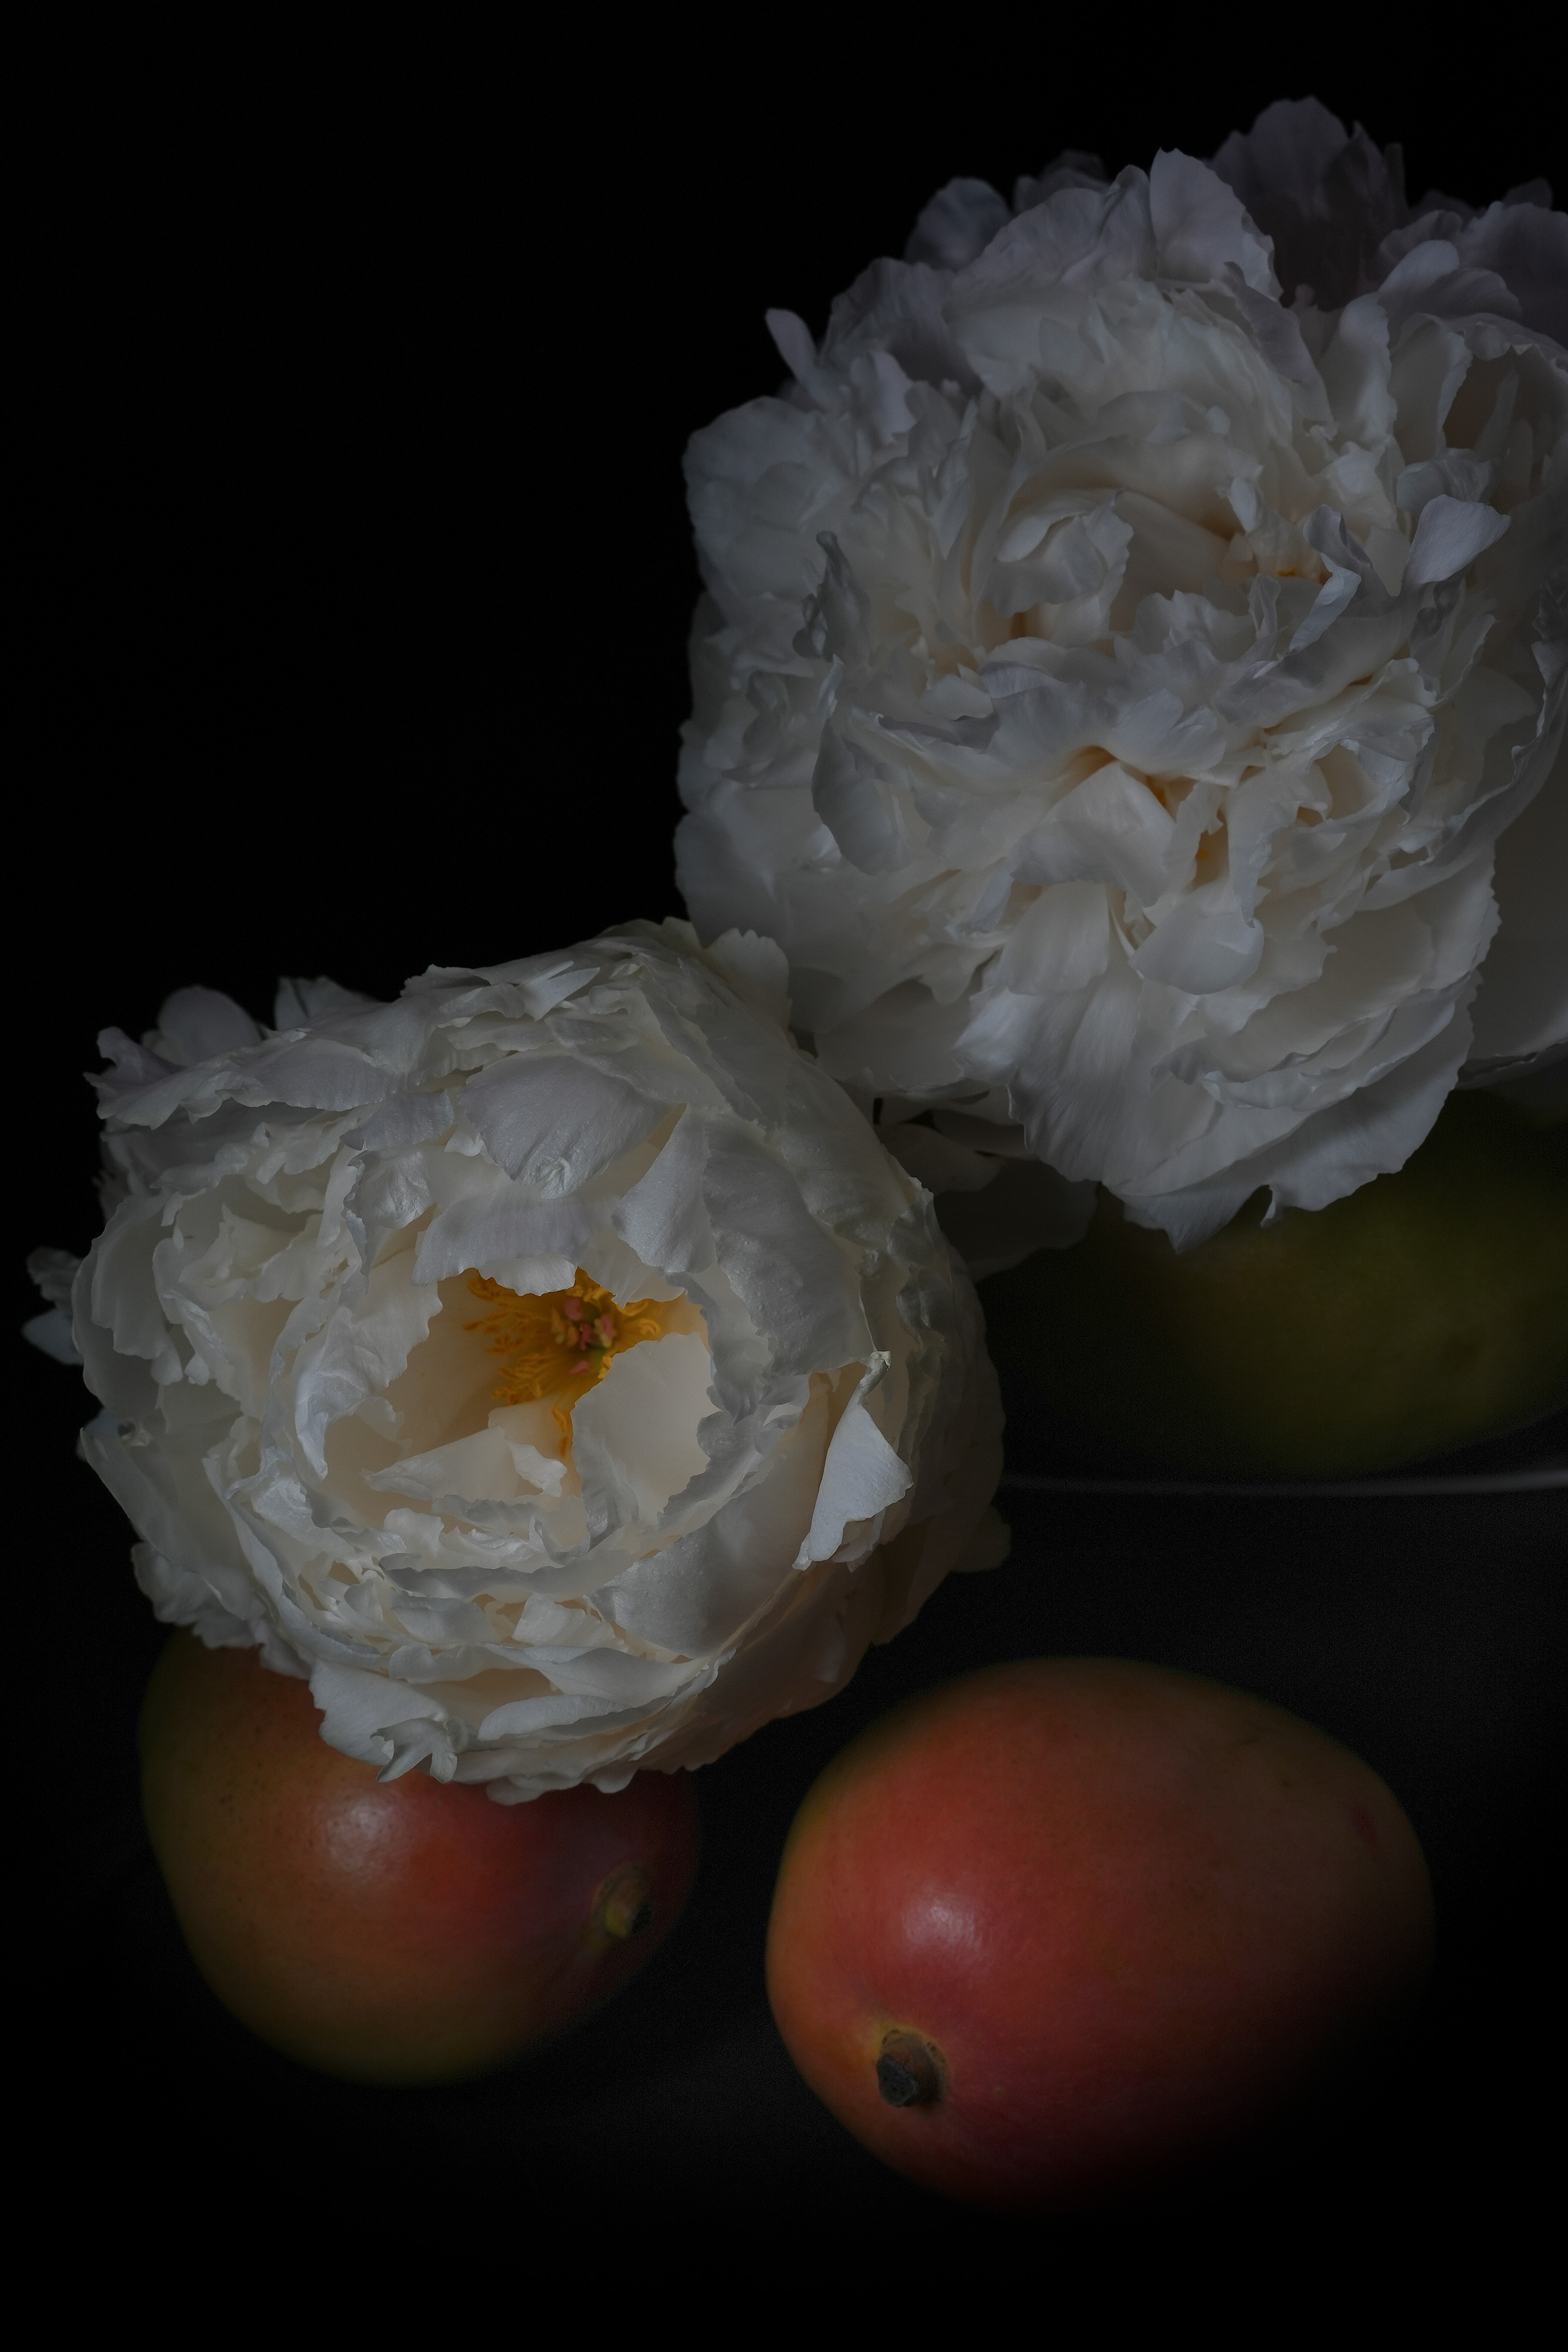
353	639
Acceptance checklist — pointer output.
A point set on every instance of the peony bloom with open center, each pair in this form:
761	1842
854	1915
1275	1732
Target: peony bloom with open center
1126	687
551	1365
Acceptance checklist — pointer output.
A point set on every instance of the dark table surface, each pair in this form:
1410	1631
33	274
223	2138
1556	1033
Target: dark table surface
299	569
1423	1627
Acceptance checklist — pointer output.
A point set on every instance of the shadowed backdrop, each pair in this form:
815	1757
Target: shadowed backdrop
354	640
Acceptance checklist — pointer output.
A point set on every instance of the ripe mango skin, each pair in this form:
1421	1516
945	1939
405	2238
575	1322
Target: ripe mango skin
1425	1312
400	1932
1143	1926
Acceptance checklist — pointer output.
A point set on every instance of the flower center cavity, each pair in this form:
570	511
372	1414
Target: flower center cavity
561	1338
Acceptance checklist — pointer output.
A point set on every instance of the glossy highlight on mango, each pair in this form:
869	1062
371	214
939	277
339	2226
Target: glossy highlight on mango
1064	1930
400	1932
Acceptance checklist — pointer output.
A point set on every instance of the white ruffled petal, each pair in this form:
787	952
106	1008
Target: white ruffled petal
1118	700
504	1399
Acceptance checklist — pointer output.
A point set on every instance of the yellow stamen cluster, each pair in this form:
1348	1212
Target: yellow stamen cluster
565	1339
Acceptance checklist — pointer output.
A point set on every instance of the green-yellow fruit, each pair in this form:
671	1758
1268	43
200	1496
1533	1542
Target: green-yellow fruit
1425	1312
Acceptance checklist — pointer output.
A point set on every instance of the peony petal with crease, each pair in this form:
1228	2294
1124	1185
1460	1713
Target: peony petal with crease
1201	597
549	1364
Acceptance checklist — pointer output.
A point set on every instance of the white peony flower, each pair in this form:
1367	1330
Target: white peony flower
551	1364
1116	677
